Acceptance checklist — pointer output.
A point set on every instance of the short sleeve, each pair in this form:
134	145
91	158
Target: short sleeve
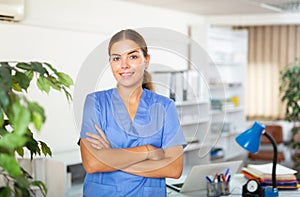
172	132
91	111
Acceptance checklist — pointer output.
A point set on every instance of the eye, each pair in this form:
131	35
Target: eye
133	57
116	58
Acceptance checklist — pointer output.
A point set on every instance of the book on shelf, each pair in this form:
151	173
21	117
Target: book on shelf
285	177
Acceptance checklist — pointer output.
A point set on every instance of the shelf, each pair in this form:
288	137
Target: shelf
192	146
234	110
229	157
224	134
226	64
225	85
195	122
188	103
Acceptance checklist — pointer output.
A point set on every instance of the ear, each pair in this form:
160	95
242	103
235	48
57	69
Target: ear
147	60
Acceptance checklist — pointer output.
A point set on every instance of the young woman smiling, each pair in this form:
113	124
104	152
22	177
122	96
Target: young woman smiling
131	138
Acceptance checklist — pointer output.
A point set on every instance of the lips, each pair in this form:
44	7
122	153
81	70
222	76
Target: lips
127	74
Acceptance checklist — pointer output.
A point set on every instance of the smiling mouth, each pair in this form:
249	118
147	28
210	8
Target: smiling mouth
126	74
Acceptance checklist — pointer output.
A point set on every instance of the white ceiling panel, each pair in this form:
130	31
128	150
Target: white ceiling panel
221	7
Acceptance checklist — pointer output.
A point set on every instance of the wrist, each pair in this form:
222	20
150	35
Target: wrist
148	151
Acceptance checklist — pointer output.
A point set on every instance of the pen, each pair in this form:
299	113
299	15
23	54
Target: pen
208	179
224	178
226	172
215	178
228	179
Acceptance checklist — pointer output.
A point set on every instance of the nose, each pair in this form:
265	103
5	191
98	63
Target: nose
124	63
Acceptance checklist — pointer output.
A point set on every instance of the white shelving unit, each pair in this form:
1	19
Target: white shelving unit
224	80
193	110
194	121
228	50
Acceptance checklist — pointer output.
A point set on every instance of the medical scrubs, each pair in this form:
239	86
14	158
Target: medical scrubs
156	123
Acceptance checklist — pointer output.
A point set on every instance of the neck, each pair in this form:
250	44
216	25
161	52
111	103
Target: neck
129	94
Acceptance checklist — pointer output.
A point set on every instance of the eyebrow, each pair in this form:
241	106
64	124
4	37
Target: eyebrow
130	52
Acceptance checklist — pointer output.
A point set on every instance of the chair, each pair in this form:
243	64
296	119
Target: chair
265	152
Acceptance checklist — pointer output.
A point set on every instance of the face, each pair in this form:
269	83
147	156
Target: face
128	63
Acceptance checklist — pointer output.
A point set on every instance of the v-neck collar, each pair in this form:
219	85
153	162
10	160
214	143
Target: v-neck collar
121	114
147	120
118	101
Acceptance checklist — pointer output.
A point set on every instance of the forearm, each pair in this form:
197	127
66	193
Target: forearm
107	160
171	166
166	168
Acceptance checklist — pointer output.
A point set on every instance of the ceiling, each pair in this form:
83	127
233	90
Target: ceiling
225	7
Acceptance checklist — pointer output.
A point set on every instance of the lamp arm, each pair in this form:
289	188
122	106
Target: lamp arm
274	158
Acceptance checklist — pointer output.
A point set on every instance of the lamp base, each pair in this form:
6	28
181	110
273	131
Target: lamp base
270	192
253	188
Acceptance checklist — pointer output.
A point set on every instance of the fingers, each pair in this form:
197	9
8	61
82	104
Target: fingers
102	134
96	146
98	141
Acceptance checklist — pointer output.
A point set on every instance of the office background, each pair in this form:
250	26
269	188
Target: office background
65	32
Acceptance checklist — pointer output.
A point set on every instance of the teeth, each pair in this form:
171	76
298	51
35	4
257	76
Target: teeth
126	74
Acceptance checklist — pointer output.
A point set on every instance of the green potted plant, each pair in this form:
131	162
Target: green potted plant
19	116
290	91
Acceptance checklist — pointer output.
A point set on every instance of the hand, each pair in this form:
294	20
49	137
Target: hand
155	153
98	141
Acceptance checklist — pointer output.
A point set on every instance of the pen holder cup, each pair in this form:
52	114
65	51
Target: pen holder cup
216	189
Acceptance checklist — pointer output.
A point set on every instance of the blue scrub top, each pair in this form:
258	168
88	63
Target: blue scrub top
156	122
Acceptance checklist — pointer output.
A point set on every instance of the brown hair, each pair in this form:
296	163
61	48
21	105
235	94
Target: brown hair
129	34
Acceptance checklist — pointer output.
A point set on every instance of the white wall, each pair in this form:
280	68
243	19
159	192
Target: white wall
64	33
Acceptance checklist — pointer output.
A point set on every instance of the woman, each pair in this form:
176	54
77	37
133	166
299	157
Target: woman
131	138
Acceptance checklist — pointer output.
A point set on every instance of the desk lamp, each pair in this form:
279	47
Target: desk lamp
250	140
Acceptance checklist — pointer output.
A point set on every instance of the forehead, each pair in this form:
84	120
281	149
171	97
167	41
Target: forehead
123	46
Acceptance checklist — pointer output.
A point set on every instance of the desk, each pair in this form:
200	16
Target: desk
236	184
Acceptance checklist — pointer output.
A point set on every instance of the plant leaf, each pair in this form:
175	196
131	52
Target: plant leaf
45	149
22	181
20	119
5	75
65	79
68	95
20	151
12	141
10	165
22	80
24	66
15	85
37	120
38	114
51	67
42	84
53	83
29	74
38	67
41	185
1	119
5	191
4	101
32	145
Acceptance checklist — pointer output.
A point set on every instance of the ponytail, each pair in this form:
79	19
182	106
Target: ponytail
147	81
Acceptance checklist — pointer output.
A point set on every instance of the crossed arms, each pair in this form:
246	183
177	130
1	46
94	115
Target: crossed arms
147	160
